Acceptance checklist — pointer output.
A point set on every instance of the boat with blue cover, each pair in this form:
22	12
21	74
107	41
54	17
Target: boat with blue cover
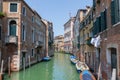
87	75
73	59
47	58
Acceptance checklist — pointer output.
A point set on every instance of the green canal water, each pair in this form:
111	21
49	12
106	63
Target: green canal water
58	68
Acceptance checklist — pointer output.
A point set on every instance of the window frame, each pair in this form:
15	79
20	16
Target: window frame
13	3
32	53
24	13
9	26
23	31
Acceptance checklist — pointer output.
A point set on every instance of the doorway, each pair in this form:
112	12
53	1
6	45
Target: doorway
113	58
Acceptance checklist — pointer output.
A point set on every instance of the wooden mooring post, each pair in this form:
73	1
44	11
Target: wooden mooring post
9	71
1	73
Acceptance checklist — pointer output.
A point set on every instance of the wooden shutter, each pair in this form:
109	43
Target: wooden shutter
113	12
103	20
13	30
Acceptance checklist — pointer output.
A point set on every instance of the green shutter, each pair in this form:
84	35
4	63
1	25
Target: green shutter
13	30
94	4
97	25
100	24
103	21
94	30
113	12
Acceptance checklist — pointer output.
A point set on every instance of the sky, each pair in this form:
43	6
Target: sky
58	11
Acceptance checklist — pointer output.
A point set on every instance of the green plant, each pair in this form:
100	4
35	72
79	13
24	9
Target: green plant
1	14
98	1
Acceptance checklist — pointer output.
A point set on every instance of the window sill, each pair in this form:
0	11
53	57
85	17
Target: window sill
116	24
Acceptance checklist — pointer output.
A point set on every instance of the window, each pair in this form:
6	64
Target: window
24	11
12	28
13	7
23	33
32	53
113	58
103	20
33	36
32	18
115	11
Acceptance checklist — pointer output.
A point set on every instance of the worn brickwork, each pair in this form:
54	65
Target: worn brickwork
34	30
109	39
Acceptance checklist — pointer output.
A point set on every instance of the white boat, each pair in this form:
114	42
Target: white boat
81	66
74	61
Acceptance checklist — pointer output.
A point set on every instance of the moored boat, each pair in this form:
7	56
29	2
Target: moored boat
72	57
74	61
47	58
81	66
87	75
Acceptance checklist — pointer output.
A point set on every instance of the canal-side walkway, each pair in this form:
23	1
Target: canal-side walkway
58	68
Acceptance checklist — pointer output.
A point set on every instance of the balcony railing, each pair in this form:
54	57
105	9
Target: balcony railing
11	39
38	44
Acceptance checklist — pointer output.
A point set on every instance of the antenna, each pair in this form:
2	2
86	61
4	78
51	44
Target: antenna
70	14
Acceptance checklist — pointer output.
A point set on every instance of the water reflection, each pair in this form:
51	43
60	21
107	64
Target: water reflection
59	68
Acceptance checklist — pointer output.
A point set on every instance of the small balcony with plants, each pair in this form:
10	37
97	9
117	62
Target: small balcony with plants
2	15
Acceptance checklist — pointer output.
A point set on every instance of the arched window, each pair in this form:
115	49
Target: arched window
12	28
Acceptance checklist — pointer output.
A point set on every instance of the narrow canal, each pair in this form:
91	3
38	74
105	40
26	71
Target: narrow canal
59	68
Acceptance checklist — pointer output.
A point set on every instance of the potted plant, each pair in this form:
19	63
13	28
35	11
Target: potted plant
1	15
98	1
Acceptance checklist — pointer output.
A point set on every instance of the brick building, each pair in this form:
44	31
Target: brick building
59	43
76	36
50	39
86	48
0	27
107	24
24	35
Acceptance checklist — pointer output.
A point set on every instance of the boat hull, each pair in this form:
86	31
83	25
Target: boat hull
46	59
86	75
81	66
74	61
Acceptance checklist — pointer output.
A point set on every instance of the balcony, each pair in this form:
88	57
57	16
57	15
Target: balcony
11	40
88	41
38	44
